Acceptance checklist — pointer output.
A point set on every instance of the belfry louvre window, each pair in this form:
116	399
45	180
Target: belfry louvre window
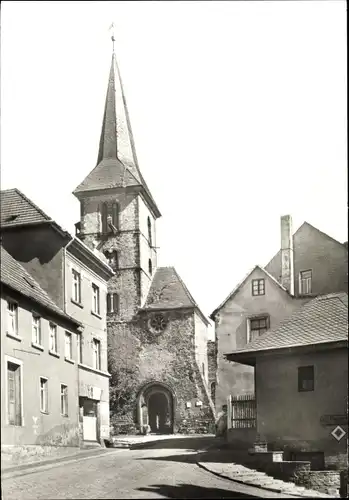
113	303
305	278
109	213
14	396
258	287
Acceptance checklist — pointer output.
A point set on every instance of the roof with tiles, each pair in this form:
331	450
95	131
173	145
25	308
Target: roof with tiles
16	277
321	320
17	209
168	291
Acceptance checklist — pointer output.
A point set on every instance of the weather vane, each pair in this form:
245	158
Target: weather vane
112	30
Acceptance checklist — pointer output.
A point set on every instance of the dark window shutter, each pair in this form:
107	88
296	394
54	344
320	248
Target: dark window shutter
116	303
108	303
104	218
115	215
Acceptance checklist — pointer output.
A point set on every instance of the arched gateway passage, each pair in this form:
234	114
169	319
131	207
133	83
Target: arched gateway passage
155	407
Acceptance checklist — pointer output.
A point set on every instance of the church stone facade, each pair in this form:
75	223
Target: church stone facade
157	335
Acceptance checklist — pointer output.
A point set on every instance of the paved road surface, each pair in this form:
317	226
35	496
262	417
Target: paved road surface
162	471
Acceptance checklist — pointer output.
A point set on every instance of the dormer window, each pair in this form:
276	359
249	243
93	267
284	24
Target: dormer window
110	217
149	232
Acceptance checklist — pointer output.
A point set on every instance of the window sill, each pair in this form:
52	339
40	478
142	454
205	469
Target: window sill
77	303
37	346
97	315
44	412
54	353
14	336
69	360
65	416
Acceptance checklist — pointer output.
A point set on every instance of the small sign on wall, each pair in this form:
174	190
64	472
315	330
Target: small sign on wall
188	404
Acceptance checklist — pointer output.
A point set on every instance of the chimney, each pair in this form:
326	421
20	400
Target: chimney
287	271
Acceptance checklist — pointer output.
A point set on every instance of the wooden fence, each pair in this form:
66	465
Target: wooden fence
242	411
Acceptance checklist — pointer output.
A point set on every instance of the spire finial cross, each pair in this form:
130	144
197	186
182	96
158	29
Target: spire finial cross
112	30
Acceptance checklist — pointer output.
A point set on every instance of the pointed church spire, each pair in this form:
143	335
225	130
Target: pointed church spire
116	136
117	164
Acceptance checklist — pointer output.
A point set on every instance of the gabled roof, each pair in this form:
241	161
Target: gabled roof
238	287
305	223
320	321
168	291
17	278
117	164
17	209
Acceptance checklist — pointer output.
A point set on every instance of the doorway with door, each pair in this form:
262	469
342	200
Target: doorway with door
89	419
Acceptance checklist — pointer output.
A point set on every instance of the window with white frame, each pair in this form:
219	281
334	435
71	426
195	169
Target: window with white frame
305	278
14	394
64	400
36	329
53	341
43	395
79	347
95	299
76	277
68	346
96	346
257	326
258	287
12	318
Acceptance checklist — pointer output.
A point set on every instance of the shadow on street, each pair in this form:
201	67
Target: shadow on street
193	444
191	491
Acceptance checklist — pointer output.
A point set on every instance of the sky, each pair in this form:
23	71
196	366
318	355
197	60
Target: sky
238	111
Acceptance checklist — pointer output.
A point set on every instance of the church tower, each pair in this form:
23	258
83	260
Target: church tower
157	335
118	212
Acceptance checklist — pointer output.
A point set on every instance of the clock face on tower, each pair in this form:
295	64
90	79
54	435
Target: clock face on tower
157	323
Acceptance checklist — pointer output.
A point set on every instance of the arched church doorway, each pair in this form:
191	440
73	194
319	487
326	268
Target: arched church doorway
158	412
156	409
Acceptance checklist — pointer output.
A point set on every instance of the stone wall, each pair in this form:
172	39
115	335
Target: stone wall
324	481
138	357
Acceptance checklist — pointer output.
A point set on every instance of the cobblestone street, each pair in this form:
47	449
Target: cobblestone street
166	470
